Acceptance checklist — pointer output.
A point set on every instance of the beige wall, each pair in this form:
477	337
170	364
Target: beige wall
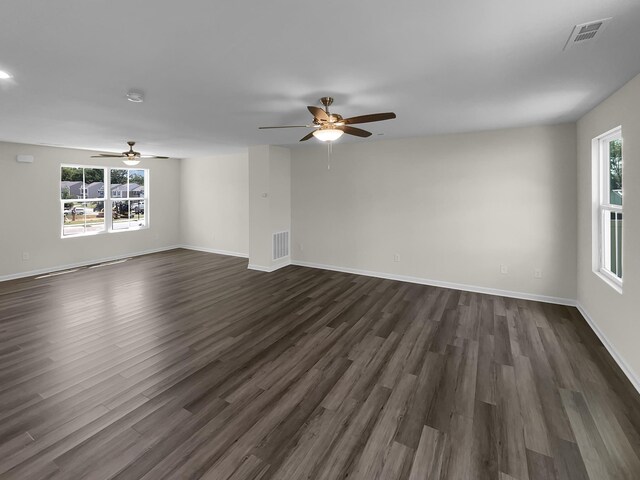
616	316
214	200
269	202
30	211
454	207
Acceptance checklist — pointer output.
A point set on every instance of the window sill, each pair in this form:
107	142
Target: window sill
105	232
617	286
87	234
130	229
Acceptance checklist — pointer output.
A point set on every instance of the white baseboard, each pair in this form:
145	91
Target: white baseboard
438	283
215	250
94	261
269	269
626	369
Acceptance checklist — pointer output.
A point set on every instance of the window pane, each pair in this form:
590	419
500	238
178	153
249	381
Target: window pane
136	179
612	242
137	207
120	213
81	218
616	244
118	185
70	182
94	182
128	214
615	172
137	214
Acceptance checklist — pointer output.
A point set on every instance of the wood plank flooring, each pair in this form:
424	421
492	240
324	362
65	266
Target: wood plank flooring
185	365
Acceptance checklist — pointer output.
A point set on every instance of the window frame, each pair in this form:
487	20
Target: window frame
604	208
107	199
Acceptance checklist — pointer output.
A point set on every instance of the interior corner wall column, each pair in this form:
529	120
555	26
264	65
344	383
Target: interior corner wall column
269	203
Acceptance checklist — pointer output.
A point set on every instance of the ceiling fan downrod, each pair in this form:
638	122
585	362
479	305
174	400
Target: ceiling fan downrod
326	101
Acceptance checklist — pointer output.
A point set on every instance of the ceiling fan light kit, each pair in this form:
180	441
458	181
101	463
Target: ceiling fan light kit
331	126
131	163
328	134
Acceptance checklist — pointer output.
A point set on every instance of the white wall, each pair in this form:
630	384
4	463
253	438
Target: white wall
269	202
30	211
617	316
454	207
259	222
214	200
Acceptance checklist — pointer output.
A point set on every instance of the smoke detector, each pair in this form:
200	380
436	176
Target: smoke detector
586	32
135	97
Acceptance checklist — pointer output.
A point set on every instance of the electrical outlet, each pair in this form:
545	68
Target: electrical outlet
504	269
396	257
25	256
537	273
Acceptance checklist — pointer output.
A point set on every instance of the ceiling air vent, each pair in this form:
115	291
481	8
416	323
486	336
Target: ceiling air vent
585	32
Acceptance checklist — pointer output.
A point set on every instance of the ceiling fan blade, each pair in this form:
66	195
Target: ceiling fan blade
287	126
151	156
358	132
306	137
106	155
373	117
318	113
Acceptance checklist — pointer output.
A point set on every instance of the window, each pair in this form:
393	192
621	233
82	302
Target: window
85	197
128	187
608	175
80	200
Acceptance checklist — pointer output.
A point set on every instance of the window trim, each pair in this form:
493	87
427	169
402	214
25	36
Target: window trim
603	207
107	199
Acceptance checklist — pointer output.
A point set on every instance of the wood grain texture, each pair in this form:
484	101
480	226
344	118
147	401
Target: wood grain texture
186	365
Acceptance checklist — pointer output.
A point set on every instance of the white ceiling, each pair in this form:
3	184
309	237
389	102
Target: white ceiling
213	71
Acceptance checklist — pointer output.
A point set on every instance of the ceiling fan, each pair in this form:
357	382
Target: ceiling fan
330	126
130	157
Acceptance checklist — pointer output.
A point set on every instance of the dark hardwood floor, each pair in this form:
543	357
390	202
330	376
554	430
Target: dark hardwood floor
187	365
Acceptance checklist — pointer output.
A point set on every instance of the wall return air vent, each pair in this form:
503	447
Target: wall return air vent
586	32
280	245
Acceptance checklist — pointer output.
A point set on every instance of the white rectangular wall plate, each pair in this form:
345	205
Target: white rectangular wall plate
24	158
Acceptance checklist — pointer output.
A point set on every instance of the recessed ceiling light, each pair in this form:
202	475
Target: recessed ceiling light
4	75
135	97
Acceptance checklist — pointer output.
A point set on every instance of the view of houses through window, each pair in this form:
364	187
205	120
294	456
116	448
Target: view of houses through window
85	197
